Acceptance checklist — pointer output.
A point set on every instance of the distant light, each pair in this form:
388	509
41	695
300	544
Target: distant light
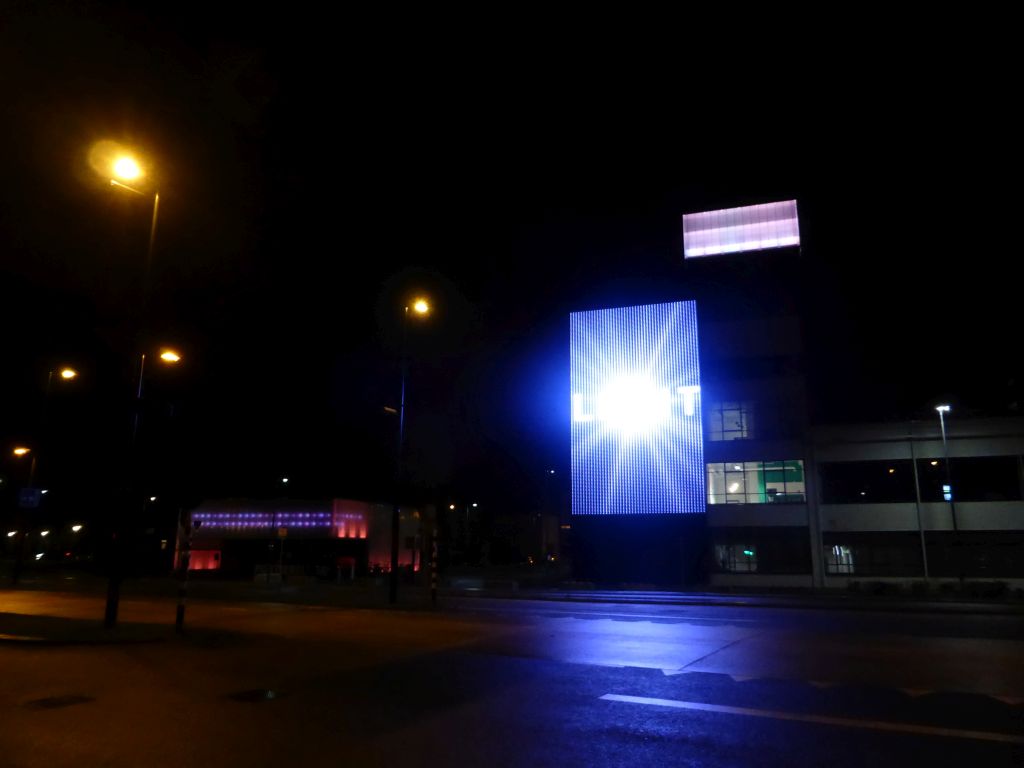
39	556
947	493
748	552
475	504
284	479
11	534
45	490
733	487
170	356
892	471
736	466
68	373
126	168
21	450
44	533
451	506
551	471
942	408
152	498
420	306
863	493
935	463
389	409
76	528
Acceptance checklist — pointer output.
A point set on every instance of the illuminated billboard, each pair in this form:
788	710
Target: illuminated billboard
637	442
735	230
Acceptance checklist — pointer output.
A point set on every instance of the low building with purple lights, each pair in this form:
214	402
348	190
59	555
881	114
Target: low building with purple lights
340	538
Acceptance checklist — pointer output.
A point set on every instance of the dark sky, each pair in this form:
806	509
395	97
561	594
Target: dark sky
315	171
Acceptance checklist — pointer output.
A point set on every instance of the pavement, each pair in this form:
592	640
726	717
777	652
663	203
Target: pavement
496	682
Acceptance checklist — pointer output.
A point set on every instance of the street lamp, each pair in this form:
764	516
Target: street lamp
421	307
124	171
948	490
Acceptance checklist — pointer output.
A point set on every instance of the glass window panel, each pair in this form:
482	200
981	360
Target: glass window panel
716	483
756	482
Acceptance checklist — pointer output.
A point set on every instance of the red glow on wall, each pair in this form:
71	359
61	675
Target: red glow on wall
204	560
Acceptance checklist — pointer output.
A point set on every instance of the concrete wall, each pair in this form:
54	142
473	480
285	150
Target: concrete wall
935	516
756	515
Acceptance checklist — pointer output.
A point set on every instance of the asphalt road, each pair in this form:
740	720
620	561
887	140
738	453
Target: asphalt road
512	682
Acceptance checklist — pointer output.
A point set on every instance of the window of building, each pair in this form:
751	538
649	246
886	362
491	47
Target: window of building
732	420
736	558
756	482
838	559
867	482
974	478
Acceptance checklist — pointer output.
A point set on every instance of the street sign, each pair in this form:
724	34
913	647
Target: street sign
29	498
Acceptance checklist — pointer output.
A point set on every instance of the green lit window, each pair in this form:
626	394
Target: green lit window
756	482
736	558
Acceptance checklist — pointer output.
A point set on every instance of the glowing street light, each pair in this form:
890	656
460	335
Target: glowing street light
170	356
126	168
44	533
420	306
68	373
76	528
22	451
947	491
11	534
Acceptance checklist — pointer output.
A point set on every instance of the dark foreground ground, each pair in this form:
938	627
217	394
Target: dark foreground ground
505	682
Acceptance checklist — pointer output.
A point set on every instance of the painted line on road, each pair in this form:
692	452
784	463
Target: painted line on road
567	613
843	722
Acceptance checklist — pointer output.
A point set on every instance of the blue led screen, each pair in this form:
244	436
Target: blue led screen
637	440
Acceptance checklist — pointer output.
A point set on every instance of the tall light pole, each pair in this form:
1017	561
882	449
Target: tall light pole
943	410
66	374
419	307
124	171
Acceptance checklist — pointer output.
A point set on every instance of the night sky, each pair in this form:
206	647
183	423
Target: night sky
314	173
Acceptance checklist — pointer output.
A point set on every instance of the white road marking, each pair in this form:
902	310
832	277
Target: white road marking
844	722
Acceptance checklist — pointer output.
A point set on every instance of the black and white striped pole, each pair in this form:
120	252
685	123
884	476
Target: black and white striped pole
433	570
185	562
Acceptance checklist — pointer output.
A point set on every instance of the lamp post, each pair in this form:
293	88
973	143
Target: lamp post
420	307
167	356
944	409
120	167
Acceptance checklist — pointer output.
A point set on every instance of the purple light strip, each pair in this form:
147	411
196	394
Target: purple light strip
734	230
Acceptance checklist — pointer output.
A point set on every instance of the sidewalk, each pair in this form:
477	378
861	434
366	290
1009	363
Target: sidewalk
36	630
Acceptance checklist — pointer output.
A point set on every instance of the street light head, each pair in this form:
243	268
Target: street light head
943	408
44	533
451	506
169	356
475	504
420	306
68	373
76	528
22	451
126	168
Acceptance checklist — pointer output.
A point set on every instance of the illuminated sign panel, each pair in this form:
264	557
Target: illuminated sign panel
735	230
637	442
